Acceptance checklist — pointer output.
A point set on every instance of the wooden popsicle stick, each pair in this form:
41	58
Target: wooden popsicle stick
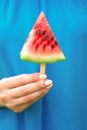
42	68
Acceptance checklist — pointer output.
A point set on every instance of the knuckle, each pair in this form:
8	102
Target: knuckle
23	78
27	98
35	75
24	91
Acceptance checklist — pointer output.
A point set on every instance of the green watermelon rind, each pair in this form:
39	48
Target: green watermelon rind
38	59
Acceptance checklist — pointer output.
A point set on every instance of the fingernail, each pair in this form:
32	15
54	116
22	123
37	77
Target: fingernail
48	82
43	76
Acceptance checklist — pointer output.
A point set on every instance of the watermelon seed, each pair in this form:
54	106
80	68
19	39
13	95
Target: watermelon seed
55	43
47	37
44	32
52	46
38	32
52	38
37	46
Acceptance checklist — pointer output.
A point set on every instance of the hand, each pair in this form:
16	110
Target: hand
19	92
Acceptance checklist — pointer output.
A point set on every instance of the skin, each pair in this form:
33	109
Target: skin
19	92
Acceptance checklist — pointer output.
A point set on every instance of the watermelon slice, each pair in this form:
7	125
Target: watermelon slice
41	45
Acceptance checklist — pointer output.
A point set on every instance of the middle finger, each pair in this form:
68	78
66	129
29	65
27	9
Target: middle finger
29	88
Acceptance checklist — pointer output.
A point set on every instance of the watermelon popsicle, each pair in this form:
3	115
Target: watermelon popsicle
41	45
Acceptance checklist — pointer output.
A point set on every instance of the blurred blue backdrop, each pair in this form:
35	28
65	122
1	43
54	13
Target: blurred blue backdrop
65	106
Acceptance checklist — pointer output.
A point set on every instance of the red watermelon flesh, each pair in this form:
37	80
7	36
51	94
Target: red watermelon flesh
41	45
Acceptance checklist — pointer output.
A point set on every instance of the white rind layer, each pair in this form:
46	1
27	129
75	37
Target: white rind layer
38	58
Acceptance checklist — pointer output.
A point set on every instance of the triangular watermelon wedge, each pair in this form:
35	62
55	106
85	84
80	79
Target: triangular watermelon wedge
41	45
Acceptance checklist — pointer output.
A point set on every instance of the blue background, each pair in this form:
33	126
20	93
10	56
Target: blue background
65	106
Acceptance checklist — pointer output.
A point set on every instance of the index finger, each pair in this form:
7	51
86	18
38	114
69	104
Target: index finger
19	80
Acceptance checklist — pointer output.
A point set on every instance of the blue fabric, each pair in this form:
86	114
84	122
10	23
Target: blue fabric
65	106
